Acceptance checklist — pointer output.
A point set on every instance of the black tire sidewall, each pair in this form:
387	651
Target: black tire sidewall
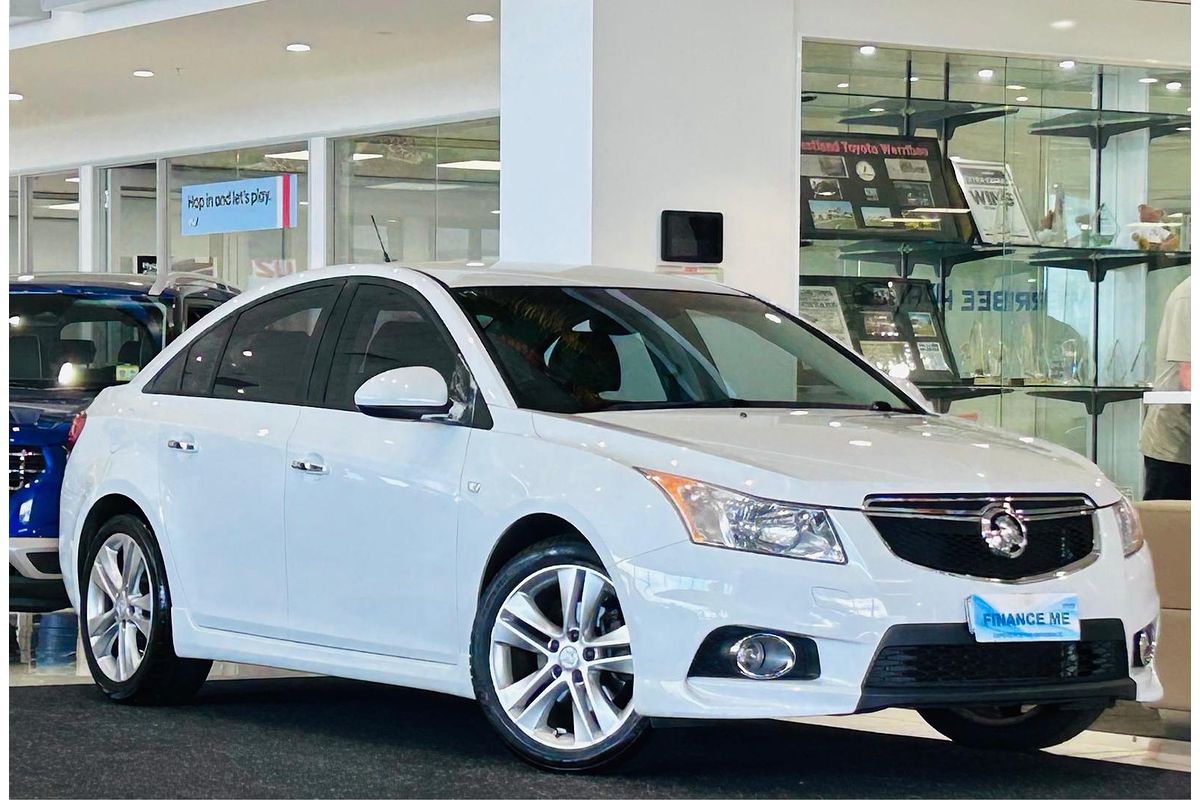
1052	725
558	552
160	618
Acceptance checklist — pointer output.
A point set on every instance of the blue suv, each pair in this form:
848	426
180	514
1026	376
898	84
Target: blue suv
69	336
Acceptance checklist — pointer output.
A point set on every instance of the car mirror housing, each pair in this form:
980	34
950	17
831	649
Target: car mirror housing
404	393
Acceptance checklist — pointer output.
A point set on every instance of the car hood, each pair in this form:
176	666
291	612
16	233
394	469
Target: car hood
42	411
832	457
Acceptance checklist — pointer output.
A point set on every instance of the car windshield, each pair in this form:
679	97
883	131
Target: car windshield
578	350
60	341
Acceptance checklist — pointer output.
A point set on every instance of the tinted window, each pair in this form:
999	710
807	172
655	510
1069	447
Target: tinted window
271	349
385	328
202	359
59	341
581	349
195	310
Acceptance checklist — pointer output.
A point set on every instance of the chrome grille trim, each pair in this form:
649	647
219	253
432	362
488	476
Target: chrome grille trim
25	464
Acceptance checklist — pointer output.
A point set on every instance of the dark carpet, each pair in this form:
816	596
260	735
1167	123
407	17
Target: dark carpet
322	737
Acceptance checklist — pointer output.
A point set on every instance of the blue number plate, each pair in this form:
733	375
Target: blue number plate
1024	617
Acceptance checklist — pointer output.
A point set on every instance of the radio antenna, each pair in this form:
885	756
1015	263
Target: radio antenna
386	258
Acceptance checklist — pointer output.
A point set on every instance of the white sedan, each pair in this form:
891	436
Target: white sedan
590	498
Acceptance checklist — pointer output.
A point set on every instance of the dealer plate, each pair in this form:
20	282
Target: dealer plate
1024	617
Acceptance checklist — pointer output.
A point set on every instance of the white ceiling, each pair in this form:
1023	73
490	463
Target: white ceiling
200	59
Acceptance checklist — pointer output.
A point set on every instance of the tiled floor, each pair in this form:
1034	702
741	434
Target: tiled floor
30	668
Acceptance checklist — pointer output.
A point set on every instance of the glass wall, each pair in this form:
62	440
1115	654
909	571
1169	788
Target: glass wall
428	193
245	259
14	260
1070	182
54	222
128	224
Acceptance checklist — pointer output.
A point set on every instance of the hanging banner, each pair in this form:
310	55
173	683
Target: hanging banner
994	200
252	204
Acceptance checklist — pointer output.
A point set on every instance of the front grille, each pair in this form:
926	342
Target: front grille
945	533
967	664
25	464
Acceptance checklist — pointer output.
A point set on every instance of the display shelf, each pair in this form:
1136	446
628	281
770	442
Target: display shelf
1097	127
942	396
907	115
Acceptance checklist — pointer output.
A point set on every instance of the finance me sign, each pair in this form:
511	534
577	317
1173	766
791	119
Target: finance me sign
253	204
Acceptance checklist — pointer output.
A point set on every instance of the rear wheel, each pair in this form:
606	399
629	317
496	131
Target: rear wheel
125	608
1027	727
551	659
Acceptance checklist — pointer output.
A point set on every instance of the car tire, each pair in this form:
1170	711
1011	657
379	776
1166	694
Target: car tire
581	718
125	619
1014	727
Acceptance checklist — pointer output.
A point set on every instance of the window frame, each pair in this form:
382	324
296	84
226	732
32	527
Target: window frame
480	416
323	327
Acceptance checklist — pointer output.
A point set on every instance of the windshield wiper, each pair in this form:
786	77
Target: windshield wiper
884	405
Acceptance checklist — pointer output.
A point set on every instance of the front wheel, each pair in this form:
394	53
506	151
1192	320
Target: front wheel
1028	727
551	659
125	611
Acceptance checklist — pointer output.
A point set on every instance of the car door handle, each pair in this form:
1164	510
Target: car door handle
182	445
311	467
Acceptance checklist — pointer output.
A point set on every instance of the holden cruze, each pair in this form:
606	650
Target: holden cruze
591	499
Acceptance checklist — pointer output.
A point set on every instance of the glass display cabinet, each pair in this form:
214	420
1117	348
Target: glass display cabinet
1068	187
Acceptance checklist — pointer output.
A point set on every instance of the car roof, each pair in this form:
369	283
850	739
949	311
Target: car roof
457	275
111	282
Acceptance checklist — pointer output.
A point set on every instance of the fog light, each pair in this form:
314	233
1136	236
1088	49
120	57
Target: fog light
764	656
1143	646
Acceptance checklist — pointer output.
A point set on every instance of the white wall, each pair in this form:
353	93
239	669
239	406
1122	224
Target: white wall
465	87
1106	31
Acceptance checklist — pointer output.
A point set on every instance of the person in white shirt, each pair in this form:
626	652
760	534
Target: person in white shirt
1167	429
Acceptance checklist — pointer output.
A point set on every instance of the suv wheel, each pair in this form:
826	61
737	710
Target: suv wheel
551	660
1012	727
126	611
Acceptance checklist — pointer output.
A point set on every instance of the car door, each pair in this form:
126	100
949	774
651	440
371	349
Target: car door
371	502
224	433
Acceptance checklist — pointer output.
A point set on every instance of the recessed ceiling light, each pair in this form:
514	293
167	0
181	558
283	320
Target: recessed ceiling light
15	96
913	79
1184	128
986	73
298	47
1063	24
474	264
867	49
64	206
71	180
843	85
495	211
1147	80
1067	64
143	73
1022	98
480	18
365	156
877	109
1173	86
1016	87
491	166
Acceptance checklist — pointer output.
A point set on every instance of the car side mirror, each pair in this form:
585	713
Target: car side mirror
404	393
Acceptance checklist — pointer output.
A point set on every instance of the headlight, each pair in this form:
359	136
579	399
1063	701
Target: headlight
725	518
1131	527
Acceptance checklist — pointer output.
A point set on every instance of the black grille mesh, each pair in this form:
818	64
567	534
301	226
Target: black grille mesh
946	666
25	464
955	545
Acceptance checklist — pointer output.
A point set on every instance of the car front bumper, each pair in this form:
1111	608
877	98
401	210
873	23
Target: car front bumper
675	596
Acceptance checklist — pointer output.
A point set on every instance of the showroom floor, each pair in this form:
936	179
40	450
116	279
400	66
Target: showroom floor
309	737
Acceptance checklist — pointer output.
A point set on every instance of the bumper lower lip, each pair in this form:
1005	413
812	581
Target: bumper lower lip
36	596
1101	691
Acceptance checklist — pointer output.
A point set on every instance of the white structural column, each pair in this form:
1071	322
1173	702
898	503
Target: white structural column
319	220
615	110
89	219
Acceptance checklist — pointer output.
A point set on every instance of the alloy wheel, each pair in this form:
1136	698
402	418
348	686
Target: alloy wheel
120	607
562	665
